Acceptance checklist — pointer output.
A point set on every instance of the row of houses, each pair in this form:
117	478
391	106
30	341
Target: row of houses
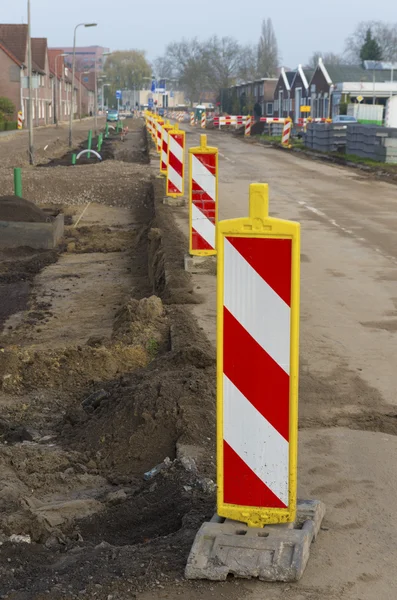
54	93
324	89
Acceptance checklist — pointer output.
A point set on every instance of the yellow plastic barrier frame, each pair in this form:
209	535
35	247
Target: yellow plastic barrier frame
175	129
260	225
202	149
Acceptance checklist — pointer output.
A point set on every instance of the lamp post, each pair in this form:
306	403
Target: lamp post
30	101
73	76
59	85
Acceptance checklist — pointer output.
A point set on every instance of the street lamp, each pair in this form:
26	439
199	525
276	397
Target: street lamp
73	75
58	113
30	83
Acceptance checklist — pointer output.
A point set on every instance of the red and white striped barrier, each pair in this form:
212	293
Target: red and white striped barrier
285	137
192	119
272	120
203	198
257	367
228	120
248	126
176	162
164	148
159	131
20	120
203	120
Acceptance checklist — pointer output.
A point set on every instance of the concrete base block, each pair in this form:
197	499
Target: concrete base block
35	235
272	553
180	201
194	264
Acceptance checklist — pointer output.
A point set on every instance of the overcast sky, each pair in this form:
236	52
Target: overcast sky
301	26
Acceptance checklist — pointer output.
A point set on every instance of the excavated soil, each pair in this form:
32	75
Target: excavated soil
13	208
107	435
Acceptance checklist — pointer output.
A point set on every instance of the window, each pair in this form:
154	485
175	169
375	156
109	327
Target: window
275	105
269	108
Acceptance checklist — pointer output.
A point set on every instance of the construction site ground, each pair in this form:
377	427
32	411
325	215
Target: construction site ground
107	370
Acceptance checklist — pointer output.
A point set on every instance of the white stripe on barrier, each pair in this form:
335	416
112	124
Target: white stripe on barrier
250	432
175	148
203	226
203	177
272	330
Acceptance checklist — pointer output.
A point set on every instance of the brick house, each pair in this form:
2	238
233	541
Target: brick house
43	106
62	85
330	82
11	71
86	93
13	77
258	92
300	91
282	94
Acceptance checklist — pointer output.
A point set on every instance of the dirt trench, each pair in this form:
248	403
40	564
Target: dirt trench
96	393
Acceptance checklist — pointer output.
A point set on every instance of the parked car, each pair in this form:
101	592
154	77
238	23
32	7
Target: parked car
344	119
113	115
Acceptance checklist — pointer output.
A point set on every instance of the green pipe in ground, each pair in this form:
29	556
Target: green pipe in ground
107	130
74	158
18	182
89	143
100	142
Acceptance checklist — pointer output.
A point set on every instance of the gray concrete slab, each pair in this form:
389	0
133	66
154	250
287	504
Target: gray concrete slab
14	234
272	553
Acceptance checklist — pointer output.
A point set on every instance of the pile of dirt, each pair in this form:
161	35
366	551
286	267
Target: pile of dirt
13	208
134	423
24	369
106	153
98	238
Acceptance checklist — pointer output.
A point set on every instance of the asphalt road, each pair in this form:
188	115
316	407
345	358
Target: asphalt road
348	349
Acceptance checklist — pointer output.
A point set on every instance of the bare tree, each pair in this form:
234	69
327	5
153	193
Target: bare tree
268	55
384	33
248	63
329	58
223	55
189	61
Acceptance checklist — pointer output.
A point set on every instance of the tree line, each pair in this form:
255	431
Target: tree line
217	63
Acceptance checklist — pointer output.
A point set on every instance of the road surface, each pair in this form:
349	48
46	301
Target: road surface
348	348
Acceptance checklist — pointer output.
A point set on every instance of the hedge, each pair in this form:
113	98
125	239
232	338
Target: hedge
8	125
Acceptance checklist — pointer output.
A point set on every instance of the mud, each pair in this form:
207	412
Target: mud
106	153
13	208
83	422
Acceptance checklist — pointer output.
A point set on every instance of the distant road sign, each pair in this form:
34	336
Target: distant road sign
150	102
360	98
118	95
306	109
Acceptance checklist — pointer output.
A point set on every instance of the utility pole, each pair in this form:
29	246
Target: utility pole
73	76
96	98
30	101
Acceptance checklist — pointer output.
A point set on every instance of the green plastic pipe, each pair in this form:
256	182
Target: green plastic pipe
107	130
100	142
89	143
74	158
18	182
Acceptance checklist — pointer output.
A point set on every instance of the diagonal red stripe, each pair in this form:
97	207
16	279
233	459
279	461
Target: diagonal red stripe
198	242
271	259
241	486
175	163
258	377
208	160
198	193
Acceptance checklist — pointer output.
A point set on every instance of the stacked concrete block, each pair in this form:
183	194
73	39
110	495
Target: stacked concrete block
373	142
